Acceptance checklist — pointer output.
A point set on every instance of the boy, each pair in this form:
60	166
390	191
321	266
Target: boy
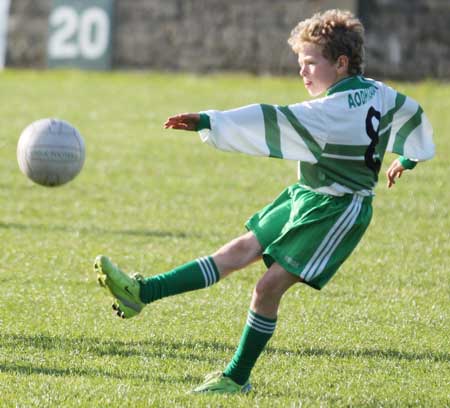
309	230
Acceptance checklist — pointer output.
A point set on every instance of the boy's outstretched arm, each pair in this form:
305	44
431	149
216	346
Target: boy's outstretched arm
394	171
183	121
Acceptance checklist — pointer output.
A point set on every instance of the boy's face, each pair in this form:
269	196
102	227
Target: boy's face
317	72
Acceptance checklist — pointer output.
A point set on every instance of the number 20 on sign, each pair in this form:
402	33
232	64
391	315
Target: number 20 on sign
80	34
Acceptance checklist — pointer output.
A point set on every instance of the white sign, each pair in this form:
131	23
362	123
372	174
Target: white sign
4	13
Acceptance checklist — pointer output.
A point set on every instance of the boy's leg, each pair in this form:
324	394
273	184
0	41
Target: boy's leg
237	254
259	328
132	293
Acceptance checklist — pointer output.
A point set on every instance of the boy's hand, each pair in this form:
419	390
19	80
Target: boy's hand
394	171
183	121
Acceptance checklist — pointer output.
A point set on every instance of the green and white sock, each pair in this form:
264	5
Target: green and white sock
257	332
193	275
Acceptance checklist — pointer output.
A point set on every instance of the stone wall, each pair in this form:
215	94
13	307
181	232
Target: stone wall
27	33
407	39
205	35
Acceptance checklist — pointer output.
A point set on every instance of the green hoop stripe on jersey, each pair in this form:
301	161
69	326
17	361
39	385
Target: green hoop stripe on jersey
209	271
272	130
260	323
351	173
337	233
361	179
313	146
406	130
345	150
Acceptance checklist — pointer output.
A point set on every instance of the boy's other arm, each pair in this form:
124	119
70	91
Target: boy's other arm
396	169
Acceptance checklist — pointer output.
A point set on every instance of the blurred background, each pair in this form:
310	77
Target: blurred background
406	39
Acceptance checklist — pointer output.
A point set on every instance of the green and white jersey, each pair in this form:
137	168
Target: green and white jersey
339	140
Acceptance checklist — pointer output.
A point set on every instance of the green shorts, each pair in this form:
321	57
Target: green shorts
311	234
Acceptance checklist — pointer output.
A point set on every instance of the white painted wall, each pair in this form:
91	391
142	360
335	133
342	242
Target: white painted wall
4	13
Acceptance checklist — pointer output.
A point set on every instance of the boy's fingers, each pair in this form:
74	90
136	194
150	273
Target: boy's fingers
392	174
390	182
176	118
183	121
176	125
176	121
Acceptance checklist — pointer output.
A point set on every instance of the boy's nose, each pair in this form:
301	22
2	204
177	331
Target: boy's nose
302	71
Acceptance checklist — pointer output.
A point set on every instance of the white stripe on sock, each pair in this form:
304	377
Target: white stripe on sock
213	274
207	270
260	325
204	271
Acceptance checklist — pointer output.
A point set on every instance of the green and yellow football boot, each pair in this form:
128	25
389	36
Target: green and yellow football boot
217	383
125	289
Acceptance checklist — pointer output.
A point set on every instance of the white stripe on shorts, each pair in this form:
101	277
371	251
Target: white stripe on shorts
319	260
208	271
260	325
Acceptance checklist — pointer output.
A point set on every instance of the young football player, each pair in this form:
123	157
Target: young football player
312	227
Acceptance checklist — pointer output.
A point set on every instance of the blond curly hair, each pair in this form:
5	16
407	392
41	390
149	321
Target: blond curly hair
338	32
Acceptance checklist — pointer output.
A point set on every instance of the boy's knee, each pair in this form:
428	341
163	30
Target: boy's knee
247	245
265	289
275	282
242	250
265	299
237	254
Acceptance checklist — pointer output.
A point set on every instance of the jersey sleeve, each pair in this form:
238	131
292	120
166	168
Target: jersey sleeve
411	134
287	132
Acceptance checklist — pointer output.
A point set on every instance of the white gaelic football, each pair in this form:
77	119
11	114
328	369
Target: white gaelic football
50	152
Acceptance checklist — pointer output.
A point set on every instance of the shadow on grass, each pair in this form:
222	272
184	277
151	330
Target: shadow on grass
30	369
199	351
95	230
386	354
193	350
84	346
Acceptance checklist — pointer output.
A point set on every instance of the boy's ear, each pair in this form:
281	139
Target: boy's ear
342	64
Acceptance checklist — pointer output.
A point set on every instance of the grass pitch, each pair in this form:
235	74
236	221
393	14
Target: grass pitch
377	335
